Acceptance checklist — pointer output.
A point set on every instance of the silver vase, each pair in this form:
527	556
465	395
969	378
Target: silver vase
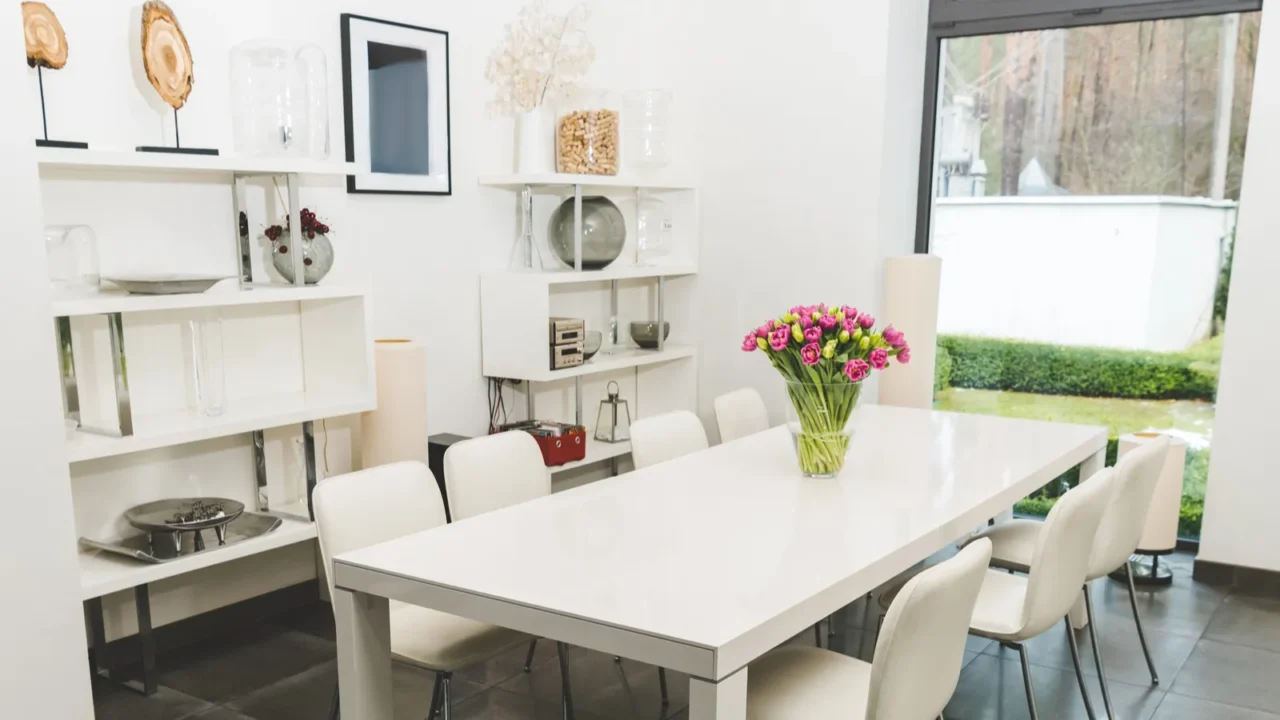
317	257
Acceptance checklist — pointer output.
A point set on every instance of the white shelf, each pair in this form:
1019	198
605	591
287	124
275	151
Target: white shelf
102	573
628	358
177	162
517	181
626	272
242	416
118	301
596	452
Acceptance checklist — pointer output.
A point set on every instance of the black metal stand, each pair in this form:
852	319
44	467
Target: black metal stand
1147	570
177	144
44	122
98	635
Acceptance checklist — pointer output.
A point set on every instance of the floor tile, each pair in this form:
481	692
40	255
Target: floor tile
1247	620
1183	608
223	713
992	689
501	668
113	702
1177	707
230	667
1233	675
305	695
497	704
1121	652
315	620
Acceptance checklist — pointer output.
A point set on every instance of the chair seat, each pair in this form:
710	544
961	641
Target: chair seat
1013	543
806	683
998	614
439	641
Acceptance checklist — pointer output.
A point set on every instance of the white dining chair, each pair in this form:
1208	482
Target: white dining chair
372	506
1013	608
492	472
740	413
1136	476
913	673
666	437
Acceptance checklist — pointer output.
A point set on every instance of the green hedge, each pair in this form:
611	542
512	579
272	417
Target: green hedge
942	370
995	364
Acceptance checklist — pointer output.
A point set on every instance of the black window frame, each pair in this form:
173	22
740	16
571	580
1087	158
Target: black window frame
966	18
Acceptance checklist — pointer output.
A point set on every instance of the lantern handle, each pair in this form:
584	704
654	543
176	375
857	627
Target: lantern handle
612	389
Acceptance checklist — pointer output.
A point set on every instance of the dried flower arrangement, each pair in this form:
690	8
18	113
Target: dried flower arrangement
543	56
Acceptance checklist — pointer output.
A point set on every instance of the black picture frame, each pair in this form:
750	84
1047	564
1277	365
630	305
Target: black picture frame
387	183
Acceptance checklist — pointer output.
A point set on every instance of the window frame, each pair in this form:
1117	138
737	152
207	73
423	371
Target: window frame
966	18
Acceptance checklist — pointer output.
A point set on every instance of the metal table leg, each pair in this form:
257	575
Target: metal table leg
98	636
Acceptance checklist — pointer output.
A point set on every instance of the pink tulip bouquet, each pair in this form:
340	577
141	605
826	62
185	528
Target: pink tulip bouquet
824	354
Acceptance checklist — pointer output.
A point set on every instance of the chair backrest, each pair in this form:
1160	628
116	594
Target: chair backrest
665	437
372	506
921	646
1060	563
1137	474
741	413
492	472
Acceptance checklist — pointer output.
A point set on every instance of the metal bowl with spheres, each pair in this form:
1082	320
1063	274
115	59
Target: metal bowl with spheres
603	232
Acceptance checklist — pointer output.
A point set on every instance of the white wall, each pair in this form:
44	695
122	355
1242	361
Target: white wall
810	128
1126	272
1240	525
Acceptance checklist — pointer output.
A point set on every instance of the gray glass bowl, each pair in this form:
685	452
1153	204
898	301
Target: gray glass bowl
591	344
603	232
645	334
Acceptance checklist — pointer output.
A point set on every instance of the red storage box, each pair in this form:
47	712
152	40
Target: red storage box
560	443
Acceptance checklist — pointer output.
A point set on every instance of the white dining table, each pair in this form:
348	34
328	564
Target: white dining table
704	563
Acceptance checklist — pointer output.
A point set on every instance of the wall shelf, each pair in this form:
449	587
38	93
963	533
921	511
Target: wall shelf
118	301
550	181
626	358
102	573
625	272
172	162
242	416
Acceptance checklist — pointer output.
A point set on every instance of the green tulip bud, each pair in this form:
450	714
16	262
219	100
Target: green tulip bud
833	310
762	344
840	316
864	343
788	318
797	332
816	316
844	336
828	352
877	339
857	335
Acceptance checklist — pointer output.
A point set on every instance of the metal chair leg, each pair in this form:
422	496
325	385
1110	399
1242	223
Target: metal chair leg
528	659
662	685
566	696
1097	652
446	701
1075	660
334	709
1026	680
1137	620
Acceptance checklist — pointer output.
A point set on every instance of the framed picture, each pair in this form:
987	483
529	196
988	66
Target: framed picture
395	80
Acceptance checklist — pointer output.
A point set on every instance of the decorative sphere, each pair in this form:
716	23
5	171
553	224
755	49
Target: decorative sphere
603	232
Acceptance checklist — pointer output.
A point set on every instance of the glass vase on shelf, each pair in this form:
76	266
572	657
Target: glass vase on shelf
655	230
207	388
646	117
525	254
587	141
72	254
279	99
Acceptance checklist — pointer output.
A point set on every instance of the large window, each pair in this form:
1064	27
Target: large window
1081	189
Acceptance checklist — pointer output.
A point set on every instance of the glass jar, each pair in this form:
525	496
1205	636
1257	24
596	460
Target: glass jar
207	384
655	229
72	253
587	140
646	114
279	100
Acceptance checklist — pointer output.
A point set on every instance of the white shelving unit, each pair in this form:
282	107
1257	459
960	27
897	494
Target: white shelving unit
293	355
516	305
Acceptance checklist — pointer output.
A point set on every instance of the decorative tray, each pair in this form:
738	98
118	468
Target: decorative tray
139	547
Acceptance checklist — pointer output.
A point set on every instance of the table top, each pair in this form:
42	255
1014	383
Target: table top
706	549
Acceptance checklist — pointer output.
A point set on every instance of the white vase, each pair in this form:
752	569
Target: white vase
535	151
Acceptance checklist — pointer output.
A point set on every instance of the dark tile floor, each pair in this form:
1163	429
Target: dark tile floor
1217	653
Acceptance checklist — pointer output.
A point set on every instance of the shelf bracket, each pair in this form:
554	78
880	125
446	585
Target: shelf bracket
295	231
98	639
662	294
577	400
67	370
243	247
309	460
260	470
577	228
613	312
119	367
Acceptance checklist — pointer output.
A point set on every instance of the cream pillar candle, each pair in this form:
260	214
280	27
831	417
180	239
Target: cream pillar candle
1160	534
910	304
397	430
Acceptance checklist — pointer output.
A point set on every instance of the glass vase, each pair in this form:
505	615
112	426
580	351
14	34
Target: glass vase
646	116
820	418
587	140
207	371
279	99
72	253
